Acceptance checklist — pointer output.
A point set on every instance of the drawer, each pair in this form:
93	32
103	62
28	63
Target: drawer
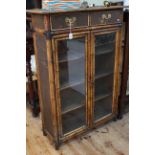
106	17
62	21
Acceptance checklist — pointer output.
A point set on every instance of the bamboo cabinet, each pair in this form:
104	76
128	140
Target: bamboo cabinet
78	78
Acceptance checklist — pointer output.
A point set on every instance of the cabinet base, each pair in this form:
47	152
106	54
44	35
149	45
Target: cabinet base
44	133
57	146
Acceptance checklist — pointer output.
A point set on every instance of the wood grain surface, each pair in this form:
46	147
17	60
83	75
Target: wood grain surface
110	139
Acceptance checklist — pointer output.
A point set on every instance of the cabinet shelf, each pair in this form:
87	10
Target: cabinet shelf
105	39
103	107
107	66
71	84
71	100
98	44
73	109
100	97
73	120
75	83
100	52
72	56
104	48
71	50
104	85
102	75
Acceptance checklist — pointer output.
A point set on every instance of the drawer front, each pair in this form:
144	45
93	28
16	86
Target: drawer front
106	17
63	21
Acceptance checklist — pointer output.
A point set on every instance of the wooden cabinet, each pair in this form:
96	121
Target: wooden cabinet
78	77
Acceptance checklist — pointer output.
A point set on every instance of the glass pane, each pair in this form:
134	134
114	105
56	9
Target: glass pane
71	56
73	120
104	73
103	107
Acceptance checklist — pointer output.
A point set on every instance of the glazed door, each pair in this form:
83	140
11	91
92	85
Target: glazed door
71	82
105	74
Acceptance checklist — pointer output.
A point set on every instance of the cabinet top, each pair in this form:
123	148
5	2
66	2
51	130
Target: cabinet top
42	11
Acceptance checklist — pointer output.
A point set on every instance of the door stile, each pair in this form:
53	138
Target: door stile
57	84
117	71
57	87
50	56
87	79
92	75
89	83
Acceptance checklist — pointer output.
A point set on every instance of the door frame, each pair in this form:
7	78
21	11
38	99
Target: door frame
116	79
55	40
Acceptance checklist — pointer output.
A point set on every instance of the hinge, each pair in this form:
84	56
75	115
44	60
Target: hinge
48	35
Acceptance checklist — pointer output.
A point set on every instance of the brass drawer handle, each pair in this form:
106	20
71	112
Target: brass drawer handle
105	18
106	3
70	21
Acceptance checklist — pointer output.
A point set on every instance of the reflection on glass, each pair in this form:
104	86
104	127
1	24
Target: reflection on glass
104	70
71	55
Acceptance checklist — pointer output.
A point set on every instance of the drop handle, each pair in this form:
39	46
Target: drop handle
105	17
70	21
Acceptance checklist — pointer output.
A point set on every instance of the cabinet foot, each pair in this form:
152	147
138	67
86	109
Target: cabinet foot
44	133
57	145
35	112
36	108
120	116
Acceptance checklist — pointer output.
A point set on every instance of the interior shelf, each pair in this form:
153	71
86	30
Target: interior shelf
101	51
71	84
72	99
104	44
79	82
100	43
71	56
71	74
70	50
72	109
103	107
107	66
100	97
102	75
105	39
73	120
104	85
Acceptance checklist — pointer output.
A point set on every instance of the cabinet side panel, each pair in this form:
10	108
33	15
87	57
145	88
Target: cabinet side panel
38	21
44	80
